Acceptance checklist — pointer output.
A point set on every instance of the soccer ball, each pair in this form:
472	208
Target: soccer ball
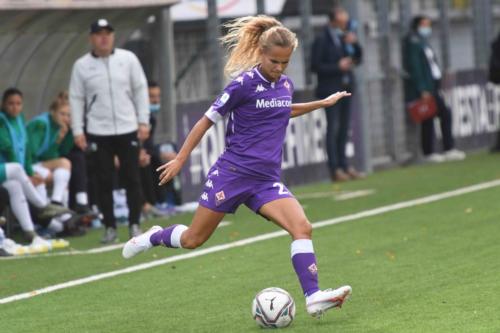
273	308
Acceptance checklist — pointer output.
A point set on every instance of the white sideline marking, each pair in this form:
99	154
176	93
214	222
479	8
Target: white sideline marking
100	249
336	195
251	240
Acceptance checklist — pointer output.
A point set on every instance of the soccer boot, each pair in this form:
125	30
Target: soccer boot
139	243
110	236
323	300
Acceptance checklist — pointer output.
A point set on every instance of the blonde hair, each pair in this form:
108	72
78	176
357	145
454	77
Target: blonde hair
249	36
61	99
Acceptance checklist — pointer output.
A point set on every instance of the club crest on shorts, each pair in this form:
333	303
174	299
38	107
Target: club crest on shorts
219	197
313	269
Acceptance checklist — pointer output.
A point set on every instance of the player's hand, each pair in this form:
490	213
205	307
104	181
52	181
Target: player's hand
426	95
36	179
334	98
350	37
345	64
170	170
144	158
81	141
143	132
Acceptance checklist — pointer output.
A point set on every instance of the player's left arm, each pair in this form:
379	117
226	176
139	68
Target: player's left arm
298	109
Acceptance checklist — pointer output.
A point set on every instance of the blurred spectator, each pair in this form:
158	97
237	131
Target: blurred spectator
49	138
108	92
424	81
494	76
148	157
4	201
16	166
335	53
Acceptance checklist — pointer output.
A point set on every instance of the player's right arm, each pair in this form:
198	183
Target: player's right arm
172	168
228	101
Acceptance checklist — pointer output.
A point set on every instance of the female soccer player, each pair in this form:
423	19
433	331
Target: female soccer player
259	104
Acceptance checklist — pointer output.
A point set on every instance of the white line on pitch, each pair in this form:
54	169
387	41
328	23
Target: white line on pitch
251	240
101	249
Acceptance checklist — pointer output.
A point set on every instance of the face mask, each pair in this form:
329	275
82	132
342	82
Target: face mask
425	31
154	107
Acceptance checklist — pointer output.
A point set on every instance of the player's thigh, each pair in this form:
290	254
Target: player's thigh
289	215
57	163
204	223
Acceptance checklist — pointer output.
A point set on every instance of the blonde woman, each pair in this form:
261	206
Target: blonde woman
259	105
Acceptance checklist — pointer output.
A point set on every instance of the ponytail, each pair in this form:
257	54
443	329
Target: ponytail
248	36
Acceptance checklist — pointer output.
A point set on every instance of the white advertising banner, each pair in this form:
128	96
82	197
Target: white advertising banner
190	10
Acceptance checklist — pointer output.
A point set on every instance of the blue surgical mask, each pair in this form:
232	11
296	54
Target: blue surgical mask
154	107
425	31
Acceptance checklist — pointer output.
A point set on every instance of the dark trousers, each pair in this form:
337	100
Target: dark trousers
103	151
337	130
445	121
148	184
78	181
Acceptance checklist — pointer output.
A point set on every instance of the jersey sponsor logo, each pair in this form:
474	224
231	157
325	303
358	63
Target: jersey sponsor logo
260	88
215	173
204	196
262	103
313	269
209	184
251	74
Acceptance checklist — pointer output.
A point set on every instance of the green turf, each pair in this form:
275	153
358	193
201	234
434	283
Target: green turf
430	268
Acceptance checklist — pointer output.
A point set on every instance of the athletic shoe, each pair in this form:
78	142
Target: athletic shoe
51	211
110	236
139	243
13	248
434	158
323	300
454	155
39	245
59	243
134	230
4	253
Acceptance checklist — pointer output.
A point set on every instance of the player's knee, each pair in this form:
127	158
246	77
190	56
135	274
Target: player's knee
65	163
302	230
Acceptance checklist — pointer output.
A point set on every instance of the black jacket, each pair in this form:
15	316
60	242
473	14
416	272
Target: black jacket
325	58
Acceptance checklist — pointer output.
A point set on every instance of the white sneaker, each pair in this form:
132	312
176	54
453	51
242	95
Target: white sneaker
40	245
323	300
454	155
13	248
139	243
434	158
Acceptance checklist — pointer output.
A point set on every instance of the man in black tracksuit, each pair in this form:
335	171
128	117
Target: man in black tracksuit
109	97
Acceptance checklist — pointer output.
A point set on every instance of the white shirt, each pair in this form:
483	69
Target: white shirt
435	70
111	93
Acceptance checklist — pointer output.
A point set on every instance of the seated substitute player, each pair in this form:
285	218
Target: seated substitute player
259	105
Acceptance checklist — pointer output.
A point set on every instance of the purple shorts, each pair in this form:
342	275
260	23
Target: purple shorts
225	189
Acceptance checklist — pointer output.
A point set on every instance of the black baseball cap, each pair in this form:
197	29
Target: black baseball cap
99	25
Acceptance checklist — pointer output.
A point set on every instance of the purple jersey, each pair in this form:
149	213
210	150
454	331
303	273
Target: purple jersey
259	111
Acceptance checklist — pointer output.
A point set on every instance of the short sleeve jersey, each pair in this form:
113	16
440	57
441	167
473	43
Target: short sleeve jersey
258	111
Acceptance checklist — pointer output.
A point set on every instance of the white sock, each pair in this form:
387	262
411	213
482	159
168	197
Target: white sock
61	180
175	237
42	190
19	205
301	246
82	198
16	172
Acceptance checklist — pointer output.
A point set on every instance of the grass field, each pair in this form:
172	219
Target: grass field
429	268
